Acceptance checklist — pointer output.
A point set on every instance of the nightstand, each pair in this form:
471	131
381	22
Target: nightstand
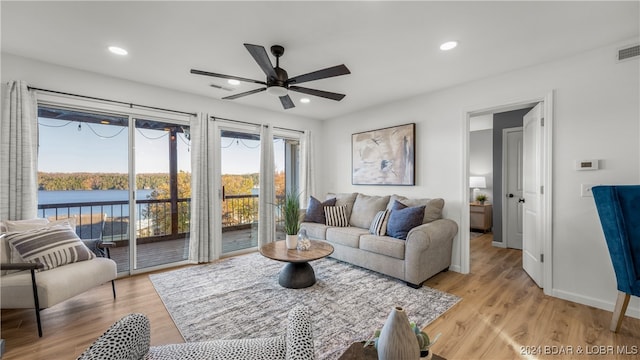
480	216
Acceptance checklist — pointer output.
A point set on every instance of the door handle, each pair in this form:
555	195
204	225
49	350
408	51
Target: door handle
521	200
510	195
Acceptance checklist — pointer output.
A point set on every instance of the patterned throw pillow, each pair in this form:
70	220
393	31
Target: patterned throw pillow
315	210
336	216
51	246
379	223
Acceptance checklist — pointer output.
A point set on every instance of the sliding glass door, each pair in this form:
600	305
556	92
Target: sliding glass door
240	174
240	188
163	193
90	159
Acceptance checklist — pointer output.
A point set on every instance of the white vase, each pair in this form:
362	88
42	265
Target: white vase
292	242
397	340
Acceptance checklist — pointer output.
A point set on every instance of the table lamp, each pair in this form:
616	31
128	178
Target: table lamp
477	183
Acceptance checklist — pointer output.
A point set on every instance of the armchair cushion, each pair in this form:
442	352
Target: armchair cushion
52	246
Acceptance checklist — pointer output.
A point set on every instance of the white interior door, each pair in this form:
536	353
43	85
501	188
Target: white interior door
512	168
532	256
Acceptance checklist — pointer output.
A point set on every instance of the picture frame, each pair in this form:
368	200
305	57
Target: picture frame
384	156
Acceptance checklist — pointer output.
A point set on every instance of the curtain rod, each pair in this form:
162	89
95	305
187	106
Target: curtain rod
250	123
113	101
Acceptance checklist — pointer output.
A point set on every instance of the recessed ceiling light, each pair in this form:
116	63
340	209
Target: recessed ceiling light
118	50
448	45
233	82
305	100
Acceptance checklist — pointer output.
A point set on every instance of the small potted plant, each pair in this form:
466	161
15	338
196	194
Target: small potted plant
291	210
481	198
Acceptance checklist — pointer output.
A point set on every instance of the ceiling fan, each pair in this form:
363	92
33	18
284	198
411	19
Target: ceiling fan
278	82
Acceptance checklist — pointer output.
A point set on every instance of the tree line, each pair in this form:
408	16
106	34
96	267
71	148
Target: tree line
234	184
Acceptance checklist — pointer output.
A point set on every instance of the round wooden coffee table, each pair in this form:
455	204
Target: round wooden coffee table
297	273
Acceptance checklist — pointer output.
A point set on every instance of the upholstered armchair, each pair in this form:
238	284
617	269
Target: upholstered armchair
43	264
619	212
129	339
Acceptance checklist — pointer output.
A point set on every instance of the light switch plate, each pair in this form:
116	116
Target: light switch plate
585	190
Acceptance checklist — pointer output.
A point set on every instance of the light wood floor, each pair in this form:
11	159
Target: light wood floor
502	315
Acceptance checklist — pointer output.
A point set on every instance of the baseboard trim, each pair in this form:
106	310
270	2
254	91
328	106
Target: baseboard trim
632	311
455	268
499	244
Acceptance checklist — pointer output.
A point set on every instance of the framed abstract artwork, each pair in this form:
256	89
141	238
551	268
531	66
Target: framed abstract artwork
384	156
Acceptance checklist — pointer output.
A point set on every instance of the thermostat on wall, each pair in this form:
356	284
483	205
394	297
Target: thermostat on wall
591	164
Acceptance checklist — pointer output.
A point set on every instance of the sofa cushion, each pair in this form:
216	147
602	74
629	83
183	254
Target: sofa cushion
383	245
51	246
365	208
314	230
433	207
346	199
347	236
315	210
336	216
403	218
379	223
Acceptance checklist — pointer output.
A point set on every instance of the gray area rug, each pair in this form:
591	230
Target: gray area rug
240	298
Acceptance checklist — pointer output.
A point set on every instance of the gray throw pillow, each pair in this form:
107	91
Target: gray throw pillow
315	210
402	219
365	209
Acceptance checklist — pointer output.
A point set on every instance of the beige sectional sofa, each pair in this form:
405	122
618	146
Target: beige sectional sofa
425	252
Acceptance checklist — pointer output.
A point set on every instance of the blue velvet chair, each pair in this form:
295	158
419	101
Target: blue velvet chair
619	211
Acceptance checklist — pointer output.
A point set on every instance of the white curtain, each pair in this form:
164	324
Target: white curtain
307	185
18	153
201	246
266	200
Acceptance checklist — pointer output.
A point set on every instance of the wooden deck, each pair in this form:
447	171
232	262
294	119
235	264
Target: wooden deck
165	252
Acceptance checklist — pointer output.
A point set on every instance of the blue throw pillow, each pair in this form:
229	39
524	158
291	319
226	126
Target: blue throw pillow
315	210
402	219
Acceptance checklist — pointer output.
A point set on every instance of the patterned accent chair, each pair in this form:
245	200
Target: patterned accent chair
619	212
129	338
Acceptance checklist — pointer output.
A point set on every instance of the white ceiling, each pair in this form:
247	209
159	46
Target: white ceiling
391	48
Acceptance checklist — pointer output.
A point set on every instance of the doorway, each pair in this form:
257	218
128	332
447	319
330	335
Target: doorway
544	165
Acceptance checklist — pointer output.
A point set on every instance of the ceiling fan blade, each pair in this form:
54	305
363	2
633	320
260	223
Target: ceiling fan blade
206	73
262	58
286	101
320	93
320	74
231	97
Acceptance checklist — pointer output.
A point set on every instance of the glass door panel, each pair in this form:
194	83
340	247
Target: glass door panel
240	171
163	193
83	172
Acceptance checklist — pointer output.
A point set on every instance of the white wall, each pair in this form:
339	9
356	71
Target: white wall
596	115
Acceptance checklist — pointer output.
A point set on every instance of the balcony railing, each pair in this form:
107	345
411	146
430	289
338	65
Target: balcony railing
155	220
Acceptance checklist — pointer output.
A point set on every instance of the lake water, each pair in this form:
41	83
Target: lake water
76	196
89	196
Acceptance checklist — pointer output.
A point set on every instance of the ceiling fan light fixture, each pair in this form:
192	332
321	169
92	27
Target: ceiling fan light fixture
277	90
233	82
